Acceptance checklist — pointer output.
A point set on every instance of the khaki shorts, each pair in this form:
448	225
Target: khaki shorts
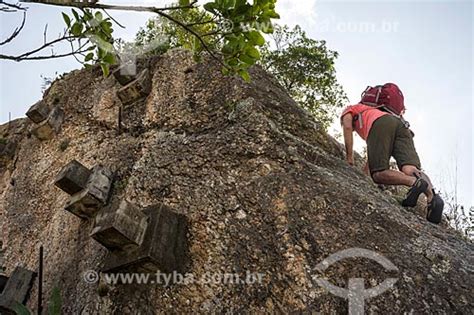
389	137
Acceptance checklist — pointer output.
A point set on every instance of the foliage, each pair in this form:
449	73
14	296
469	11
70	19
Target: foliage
305	67
161	30
97	32
21	309
247	23
470	228
459	217
54	306
231	27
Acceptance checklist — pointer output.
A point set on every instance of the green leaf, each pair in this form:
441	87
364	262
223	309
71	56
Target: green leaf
98	16
241	43
211	7
233	62
21	309
76	15
253	52
197	57
244	74
100	53
89	57
247	59
256	38
225	71
227	49
76	29
183	2
106	27
197	45
268	29
109	58
105	69
272	14
54	306
106	46
66	19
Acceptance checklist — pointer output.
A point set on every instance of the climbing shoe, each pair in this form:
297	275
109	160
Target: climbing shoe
435	209
415	191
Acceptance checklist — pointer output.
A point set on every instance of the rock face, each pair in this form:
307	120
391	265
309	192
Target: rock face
266	193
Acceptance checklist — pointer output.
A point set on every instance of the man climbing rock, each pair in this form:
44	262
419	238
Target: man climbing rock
378	119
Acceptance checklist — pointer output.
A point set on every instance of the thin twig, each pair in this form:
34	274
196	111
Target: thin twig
52	56
78	51
16	32
27	54
11	5
112	18
44	33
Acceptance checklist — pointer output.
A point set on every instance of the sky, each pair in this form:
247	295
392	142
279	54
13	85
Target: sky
425	47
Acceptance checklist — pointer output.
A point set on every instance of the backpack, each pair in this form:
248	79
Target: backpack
387	97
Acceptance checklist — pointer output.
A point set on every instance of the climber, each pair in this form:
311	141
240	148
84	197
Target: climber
378	119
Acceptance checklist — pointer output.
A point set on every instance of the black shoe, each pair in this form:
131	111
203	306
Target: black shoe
419	187
435	209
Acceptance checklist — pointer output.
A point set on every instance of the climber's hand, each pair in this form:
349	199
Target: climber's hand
350	160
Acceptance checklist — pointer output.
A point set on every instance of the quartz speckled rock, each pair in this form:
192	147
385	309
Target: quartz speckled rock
264	190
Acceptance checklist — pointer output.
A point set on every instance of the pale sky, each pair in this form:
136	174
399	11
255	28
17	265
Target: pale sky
423	46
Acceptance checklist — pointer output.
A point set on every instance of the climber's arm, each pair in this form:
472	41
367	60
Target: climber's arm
348	137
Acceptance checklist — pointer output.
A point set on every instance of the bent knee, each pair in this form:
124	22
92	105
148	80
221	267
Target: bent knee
377	177
410	170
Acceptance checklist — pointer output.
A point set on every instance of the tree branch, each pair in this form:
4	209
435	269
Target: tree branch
112	6
10	7
90	5
52	56
112	18
28	55
16	32
190	30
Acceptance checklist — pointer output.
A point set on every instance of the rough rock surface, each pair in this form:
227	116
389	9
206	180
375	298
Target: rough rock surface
264	190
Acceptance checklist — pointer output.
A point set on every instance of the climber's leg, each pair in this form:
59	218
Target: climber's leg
412	170
392	177
379	149
408	162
